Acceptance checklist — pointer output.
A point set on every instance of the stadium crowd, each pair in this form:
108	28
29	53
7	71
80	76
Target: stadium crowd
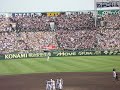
72	31
5	24
112	21
26	41
78	39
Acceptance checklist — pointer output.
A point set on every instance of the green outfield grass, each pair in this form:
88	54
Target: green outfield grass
60	64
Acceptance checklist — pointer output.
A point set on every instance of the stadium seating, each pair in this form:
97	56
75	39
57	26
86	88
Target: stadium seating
66	31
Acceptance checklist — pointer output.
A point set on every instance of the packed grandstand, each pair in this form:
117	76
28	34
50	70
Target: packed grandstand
64	31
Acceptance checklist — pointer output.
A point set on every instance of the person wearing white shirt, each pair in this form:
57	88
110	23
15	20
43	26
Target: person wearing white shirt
114	73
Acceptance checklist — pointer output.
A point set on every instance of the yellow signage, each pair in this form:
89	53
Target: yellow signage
53	13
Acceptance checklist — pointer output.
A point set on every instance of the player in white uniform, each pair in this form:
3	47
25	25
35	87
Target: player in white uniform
48	85
57	84
60	84
48	57
115	75
53	84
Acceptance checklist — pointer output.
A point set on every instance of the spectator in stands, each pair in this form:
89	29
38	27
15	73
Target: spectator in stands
71	31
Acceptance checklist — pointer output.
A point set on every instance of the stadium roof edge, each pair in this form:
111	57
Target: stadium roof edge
47	11
61	11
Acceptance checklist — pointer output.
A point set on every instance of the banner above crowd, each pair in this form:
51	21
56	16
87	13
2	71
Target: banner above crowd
106	12
32	14
107	3
25	14
52	14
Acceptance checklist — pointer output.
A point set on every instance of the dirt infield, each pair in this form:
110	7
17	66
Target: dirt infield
72	81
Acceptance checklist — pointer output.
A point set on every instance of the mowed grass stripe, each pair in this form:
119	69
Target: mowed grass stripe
3	68
86	63
77	64
60	64
101	60
96	63
109	63
37	65
81	65
12	66
100	64
92	65
15	67
60	67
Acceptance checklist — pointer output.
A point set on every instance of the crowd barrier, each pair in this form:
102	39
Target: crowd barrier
58	54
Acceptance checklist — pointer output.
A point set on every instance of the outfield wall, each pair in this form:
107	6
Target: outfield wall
58	54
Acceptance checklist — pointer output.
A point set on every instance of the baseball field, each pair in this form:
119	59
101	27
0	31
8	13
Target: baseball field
78	73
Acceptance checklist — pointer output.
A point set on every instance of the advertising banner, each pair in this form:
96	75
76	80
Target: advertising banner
105	12
107	3
58	54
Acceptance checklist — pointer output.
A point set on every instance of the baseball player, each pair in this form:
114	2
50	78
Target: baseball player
48	57
57	84
53	84
115	75
48	85
60	87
